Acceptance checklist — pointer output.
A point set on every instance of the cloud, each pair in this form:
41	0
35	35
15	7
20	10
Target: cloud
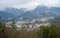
51	3
30	4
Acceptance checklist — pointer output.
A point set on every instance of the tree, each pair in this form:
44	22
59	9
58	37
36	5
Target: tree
47	32
53	31
43	31
13	25
2	31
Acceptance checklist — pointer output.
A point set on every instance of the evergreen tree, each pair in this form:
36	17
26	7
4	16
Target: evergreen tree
2	31
47	32
13	25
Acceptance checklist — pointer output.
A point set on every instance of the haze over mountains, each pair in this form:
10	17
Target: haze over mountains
38	12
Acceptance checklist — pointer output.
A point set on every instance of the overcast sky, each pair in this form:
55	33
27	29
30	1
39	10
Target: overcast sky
30	4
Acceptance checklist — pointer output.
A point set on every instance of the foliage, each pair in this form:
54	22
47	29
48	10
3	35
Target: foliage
13	25
49	31
2	32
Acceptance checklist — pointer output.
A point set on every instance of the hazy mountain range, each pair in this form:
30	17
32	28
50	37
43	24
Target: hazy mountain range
38	12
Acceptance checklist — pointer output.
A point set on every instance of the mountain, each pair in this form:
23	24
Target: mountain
4	16
38	12
15	12
42	11
57	18
10	14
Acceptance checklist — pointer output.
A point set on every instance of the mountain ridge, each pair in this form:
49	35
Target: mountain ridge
38	12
